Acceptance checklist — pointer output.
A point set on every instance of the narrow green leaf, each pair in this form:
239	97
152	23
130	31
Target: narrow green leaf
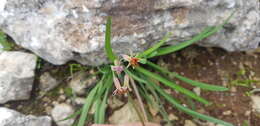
143	61
176	104
111	56
98	89
88	103
204	34
106	82
103	106
187	110
155	101
97	109
172	85
102	111
174	48
99	116
104	69
155	47
200	84
189	81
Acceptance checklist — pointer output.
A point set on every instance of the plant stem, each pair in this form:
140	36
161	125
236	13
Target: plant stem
139	98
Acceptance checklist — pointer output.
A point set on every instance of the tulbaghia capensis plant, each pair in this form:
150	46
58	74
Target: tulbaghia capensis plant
129	76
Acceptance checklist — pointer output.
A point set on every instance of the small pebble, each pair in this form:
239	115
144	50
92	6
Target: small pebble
247	113
197	90
173	117
189	123
227	113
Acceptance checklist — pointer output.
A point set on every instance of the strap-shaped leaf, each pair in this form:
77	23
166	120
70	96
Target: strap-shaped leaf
172	85
102	111
154	48
175	103
204	34
94	95
187	110
108	49
87	105
187	80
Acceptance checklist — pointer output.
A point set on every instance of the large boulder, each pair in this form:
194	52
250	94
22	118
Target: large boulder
63	30
10	117
16	75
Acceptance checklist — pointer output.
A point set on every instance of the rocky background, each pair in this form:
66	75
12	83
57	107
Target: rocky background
62	31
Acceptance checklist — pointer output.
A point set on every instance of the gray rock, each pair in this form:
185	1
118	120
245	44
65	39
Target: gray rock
63	30
61	111
10	117
47	82
126	114
16	75
81	81
114	102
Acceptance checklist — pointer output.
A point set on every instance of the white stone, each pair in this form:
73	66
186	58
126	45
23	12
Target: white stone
62	111
10	117
16	75
197	90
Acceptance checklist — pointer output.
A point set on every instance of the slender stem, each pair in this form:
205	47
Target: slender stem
130	99
139	98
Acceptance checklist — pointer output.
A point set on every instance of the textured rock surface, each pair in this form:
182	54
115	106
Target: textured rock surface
47	82
126	114
10	117
61	111
16	75
81	81
62	30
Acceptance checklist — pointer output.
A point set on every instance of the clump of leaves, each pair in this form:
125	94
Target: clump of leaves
131	77
6	45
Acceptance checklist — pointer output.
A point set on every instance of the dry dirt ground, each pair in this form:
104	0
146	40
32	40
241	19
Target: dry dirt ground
240	71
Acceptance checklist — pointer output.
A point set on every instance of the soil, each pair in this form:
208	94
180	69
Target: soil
240	71
216	66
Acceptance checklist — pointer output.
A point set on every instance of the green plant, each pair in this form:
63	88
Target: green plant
74	67
6	45
132	78
243	80
246	123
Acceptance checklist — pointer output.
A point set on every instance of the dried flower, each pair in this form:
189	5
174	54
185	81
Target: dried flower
117	67
119	89
133	61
